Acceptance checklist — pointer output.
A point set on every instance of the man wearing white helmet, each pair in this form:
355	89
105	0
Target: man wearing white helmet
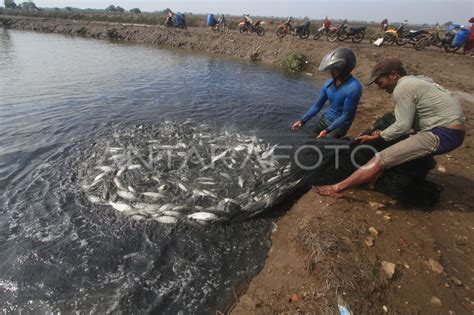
343	91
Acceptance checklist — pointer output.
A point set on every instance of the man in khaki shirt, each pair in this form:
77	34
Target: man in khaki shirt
423	108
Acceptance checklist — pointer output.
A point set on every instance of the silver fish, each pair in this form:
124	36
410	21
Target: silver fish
203	216
166	219
126	195
119	184
153	195
122	207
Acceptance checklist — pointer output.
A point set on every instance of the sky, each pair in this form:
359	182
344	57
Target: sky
415	11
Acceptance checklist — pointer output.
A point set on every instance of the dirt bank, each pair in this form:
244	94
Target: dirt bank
322	247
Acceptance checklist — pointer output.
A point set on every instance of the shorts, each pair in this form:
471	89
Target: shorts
438	141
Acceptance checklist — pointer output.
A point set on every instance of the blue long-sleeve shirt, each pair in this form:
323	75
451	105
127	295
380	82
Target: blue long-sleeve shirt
343	103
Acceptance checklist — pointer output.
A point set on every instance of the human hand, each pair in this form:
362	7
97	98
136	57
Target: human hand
322	134
367	138
297	124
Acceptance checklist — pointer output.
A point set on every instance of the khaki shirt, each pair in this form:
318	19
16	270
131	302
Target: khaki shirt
421	105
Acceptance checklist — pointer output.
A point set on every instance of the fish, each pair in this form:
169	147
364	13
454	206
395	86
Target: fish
166	219
203	216
122	207
121	171
126	195
119	184
100	176
94	199
182	187
151	178
134	167
153	195
104	168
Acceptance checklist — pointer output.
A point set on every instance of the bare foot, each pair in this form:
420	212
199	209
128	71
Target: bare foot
329	190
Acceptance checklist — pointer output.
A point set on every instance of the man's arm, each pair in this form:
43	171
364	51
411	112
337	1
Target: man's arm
405	109
316	107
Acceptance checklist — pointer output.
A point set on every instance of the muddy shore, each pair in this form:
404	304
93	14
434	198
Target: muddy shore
320	248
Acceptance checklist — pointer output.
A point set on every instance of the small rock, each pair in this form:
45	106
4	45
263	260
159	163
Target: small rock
295	298
441	169
435	266
456	281
378	212
376	205
385	309
373	231
387	217
388	268
436	302
369	241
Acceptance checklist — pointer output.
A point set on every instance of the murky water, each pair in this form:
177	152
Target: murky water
60	253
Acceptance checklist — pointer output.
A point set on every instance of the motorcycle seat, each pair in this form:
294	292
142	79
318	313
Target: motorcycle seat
358	28
414	33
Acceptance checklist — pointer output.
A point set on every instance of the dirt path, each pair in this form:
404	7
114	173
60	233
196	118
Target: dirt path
322	247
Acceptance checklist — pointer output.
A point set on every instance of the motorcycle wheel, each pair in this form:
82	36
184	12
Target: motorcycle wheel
332	36
242	29
451	48
342	37
260	31
389	39
375	37
281	32
304	35
317	35
400	41
421	44
358	37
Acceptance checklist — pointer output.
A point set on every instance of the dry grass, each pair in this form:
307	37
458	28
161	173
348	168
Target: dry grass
335	260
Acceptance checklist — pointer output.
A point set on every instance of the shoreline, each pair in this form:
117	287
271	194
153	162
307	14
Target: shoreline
319	250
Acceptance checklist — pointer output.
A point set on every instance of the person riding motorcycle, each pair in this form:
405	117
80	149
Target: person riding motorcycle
343	91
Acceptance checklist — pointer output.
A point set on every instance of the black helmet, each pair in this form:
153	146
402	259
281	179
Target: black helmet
340	58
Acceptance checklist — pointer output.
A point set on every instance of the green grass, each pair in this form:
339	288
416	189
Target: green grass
295	63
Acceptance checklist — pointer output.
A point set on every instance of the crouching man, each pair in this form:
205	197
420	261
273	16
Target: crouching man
423	108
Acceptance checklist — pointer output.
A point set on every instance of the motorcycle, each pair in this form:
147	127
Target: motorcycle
411	37
356	34
324	31
455	39
433	39
284	28
256	27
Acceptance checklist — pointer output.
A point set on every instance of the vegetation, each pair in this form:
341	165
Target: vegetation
10	4
112	8
295	63
135	11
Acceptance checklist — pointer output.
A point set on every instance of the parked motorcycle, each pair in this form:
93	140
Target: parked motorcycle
433	39
256	27
456	39
356	34
284	28
411	37
324	31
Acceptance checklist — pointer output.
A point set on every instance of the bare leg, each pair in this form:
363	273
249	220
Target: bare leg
366	174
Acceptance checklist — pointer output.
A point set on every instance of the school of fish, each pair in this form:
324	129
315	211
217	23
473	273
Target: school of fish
184	172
